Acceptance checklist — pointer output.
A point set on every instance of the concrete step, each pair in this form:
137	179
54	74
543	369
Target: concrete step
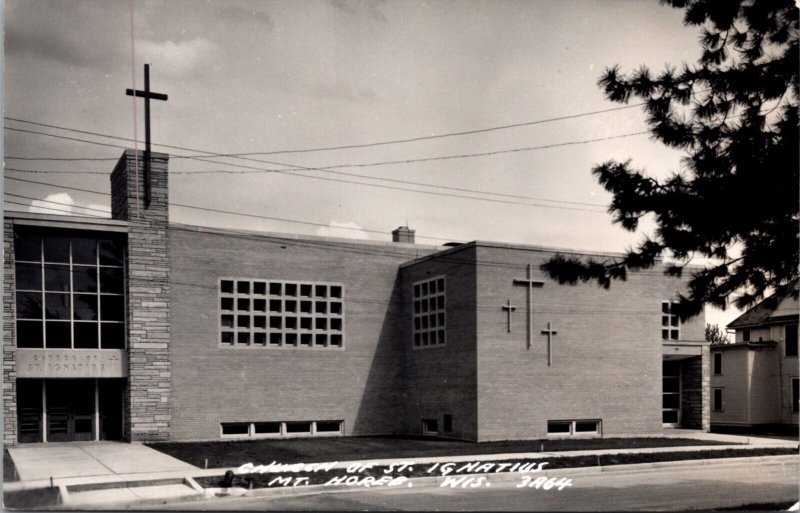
129	493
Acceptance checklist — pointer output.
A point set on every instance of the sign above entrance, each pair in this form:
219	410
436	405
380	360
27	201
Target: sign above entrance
72	363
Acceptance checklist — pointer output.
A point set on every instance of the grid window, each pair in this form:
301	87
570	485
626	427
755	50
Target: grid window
70	291
280	314
670	322
429	321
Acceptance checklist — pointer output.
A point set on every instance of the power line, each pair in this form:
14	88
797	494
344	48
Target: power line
447	187
105	212
327	169
218	211
433	193
393	141
349	247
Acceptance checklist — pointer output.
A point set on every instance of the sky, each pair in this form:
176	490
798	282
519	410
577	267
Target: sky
271	76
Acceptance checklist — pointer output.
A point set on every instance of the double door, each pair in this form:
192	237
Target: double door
67	410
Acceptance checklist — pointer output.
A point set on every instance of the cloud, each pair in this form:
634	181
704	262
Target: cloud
347	229
178	58
59	203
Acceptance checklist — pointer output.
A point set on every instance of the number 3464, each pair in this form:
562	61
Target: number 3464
545	483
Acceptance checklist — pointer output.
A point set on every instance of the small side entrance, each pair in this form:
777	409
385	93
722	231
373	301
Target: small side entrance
67	410
671	394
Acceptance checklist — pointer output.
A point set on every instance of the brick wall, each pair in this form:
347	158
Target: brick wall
442	380
9	337
147	397
606	356
361	384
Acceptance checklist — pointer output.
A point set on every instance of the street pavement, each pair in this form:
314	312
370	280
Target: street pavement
707	486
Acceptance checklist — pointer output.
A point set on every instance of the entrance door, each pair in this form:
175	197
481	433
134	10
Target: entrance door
29	410
110	394
70	410
671	390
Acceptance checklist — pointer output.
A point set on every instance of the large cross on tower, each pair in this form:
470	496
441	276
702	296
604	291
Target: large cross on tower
529	282
147	95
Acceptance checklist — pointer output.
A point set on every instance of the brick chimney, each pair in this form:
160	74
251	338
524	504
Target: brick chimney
403	234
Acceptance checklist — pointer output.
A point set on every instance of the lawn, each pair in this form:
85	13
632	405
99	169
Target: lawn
311	450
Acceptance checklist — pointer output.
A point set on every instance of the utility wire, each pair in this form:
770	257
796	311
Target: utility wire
218	211
349	247
393	141
460	196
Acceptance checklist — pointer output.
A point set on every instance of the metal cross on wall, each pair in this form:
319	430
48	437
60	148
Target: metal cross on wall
549	332
509	308
529	282
147	95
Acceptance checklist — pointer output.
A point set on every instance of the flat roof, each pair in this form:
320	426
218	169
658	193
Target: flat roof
76	222
294	236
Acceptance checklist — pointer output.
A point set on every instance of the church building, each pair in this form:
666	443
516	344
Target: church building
134	328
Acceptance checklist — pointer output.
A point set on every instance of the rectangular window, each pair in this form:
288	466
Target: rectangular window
670	322
746	335
573	427
430	426
717	364
791	340
281	429
429	321
70	290
795	395
717	399
268	314
235	429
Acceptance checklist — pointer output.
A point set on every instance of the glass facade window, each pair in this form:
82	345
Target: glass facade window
70	290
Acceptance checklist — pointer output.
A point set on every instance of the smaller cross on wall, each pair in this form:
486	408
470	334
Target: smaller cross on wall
509	308
549	332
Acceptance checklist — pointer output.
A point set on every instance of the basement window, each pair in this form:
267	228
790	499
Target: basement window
430	426
573	427
277	429
235	429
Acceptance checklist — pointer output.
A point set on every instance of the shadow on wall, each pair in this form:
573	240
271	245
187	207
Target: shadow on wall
379	411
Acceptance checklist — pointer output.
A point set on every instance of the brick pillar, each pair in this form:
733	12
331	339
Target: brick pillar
9	338
147	396
706	387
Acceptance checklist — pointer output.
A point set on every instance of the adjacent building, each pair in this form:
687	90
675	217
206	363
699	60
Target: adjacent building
139	329
755	379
